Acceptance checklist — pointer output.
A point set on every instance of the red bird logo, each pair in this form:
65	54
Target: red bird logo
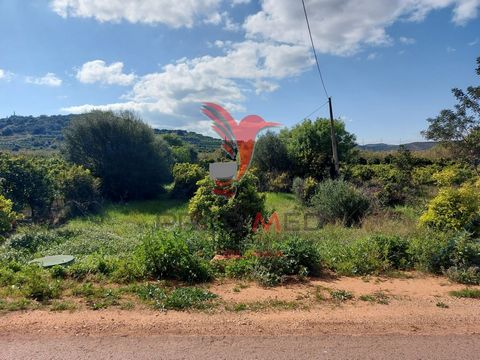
238	139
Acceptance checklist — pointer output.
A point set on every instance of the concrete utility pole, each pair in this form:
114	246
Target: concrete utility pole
334	140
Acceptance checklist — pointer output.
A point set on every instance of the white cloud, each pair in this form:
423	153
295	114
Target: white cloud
343	27
6	75
451	49
262	86
465	11
98	71
407	41
173	96
173	13
49	79
372	56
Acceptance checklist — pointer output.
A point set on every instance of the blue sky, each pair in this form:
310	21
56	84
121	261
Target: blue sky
388	65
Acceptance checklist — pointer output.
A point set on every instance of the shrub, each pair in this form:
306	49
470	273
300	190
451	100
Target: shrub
431	251
27	183
37	284
122	151
229	219
304	189
93	264
185	178
31	240
452	175
361	173
369	255
271	259
80	191
167	256
280	182
394	251
337	201
468	276
424	175
7	215
454	209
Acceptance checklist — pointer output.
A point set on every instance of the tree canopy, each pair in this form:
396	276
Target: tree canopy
122	151
459	128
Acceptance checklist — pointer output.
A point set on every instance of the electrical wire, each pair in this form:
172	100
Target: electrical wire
313	48
314	111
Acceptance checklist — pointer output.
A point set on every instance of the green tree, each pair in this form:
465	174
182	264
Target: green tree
459	129
310	149
181	151
80	191
122	151
7	215
27	183
185	178
229	219
271	154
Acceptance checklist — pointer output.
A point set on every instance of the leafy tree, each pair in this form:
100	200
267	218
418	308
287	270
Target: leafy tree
182	152
229	219
7	215
459	129
27	183
310	149
185	178
80	191
122	151
271	154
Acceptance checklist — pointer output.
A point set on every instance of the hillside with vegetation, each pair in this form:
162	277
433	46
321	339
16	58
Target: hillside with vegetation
45	133
137	211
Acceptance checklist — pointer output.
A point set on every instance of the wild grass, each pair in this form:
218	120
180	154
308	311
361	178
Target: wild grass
466	293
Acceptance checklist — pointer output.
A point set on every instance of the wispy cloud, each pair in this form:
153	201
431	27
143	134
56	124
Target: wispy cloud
49	79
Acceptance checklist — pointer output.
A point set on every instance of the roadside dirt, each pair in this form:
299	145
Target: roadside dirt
417	304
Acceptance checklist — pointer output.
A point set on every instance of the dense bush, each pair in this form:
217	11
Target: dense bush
167	256
229	219
452	175
270	260
279	182
304	189
309	147
454	209
338	201
368	255
122	151
80	191
185	177
7	215
27	183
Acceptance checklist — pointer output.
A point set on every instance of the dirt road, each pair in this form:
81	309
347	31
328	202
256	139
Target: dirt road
411	325
244	347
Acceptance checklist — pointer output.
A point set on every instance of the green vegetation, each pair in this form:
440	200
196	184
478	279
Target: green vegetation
122	151
466	293
106	199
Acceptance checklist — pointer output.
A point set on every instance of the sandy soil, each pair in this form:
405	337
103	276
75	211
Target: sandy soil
412	309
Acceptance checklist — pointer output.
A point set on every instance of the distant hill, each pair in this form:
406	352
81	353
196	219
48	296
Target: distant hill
414	146
200	142
45	133
32	132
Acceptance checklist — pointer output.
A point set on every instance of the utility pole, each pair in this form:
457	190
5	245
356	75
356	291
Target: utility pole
334	140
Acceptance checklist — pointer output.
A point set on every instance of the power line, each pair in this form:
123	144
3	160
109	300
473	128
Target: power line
314	111
313	47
